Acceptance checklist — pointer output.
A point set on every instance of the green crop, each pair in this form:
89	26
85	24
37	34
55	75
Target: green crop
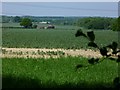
34	38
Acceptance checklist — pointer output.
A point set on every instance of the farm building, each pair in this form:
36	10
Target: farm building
50	27
46	27
44	22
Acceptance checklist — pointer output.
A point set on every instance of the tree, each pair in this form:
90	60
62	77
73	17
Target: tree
34	26
26	22
17	19
5	19
116	24
94	23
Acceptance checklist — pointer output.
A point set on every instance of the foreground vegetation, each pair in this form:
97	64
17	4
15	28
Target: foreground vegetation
61	72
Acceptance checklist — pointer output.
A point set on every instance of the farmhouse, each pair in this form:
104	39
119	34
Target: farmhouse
44	22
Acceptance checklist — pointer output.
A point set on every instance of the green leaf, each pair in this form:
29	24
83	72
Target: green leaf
91	61
118	60
91	35
113	46
80	33
103	51
92	44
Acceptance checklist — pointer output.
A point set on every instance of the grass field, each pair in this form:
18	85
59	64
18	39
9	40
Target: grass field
63	38
11	25
61	72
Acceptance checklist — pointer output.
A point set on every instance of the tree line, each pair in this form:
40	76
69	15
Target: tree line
105	23
54	20
100	23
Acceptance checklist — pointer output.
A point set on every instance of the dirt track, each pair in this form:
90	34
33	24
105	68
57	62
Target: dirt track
46	53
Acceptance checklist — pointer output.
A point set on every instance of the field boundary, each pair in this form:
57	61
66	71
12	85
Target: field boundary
47	53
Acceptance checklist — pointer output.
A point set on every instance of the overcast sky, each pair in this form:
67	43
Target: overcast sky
107	9
60	0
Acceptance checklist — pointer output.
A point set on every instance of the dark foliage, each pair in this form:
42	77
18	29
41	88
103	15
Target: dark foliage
92	44
96	23
93	60
113	46
91	36
116	24
118	60
80	33
103	51
79	66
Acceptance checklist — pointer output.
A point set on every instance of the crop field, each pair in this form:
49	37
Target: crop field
60	72
52	38
11	25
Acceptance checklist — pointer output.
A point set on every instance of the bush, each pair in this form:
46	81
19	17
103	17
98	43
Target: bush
26	22
34	26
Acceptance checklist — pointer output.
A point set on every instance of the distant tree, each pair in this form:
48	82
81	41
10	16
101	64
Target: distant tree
95	23
26	22
17	19
34	26
116	25
5	19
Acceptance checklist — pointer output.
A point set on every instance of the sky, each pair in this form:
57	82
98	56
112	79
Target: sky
103	9
60	0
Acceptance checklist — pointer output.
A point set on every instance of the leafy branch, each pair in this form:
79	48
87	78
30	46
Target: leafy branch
104	51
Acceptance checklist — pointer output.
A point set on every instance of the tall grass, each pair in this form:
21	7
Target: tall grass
61	72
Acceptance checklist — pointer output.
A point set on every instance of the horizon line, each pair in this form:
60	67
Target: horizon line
57	16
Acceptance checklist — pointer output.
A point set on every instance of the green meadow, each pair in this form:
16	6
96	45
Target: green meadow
58	73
